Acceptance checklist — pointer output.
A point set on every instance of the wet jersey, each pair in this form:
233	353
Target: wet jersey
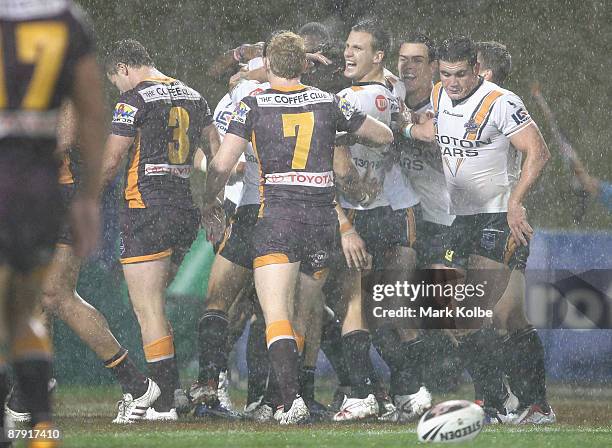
293	133
474	138
221	115
422	164
250	192
166	117
40	44
376	100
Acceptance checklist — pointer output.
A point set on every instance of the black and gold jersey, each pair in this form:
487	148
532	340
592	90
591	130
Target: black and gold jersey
40	44
293	133
166	117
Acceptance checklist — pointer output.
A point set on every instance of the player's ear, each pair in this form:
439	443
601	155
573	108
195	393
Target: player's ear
378	57
476	68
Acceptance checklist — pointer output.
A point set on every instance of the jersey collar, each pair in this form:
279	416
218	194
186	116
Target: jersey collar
289	88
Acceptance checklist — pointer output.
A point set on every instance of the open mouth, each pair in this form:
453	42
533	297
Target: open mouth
350	65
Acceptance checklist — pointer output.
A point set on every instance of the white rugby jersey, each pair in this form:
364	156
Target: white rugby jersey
222	115
474	137
376	100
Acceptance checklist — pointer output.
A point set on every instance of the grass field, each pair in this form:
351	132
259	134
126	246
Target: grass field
84	414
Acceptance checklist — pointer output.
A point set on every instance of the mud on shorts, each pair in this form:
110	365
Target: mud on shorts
237	243
157	232
484	234
30	207
382	228
277	241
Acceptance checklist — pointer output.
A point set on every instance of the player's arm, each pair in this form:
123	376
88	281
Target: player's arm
530	142
90	114
117	146
210	136
219	170
232	58
423	131
374	133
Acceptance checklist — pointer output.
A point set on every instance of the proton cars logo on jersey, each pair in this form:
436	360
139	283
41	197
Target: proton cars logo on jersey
241	112
381	103
449	164
346	108
124	113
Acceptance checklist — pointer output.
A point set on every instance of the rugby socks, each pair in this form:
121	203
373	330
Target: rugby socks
524	356
212	334
257	361
356	345
331	344
284	358
402	359
32	365
480	352
307	383
127	374
162	368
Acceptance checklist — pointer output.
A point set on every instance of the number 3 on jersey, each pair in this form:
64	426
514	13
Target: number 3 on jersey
178	147
300	126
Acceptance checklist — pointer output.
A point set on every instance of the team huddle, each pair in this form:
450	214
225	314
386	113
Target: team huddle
326	174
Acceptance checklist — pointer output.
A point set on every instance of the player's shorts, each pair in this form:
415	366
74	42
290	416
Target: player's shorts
484	234
65	235
30	207
157	232
430	243
277	241
237	243
382	228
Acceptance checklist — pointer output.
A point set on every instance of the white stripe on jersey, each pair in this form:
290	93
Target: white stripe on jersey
473	137
377	101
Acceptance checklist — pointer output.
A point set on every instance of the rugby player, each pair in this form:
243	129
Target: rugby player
387	221
59	296
474	123
48	55
161	123
292	129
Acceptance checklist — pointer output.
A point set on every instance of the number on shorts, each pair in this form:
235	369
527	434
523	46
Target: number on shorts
301	126
178	147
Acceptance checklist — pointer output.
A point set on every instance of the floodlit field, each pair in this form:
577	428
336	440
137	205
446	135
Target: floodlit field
84	415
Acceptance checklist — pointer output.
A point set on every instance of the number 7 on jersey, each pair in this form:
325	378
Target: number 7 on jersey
301	126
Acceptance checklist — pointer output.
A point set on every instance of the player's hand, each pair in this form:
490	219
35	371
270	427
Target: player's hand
85	221
314	58
517	221
213	221
354	249
370	186
246	52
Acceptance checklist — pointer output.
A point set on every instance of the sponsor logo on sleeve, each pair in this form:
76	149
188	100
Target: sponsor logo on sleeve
381	103
240	113
346	108
124	113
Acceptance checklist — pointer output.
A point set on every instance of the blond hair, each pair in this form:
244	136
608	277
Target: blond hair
286	54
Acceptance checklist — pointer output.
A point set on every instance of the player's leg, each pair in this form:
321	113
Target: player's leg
147	281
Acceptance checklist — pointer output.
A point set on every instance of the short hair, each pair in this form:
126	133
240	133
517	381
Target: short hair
316	29
286	53
415	37
129	52
381	39
458	48
495	57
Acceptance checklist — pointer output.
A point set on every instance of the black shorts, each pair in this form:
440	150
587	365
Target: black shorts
278	241
430	243
156	232
30	207
65	235
382	228
237	243
485	234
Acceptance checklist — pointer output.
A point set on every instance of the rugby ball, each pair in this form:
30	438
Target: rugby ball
451	421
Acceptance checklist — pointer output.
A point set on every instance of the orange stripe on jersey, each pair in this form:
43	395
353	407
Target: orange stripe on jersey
65	175
479	116
261	186
280	329
411	227
356	88
436	95
265	260
288	88
160	349
132	193
152	257
164	79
